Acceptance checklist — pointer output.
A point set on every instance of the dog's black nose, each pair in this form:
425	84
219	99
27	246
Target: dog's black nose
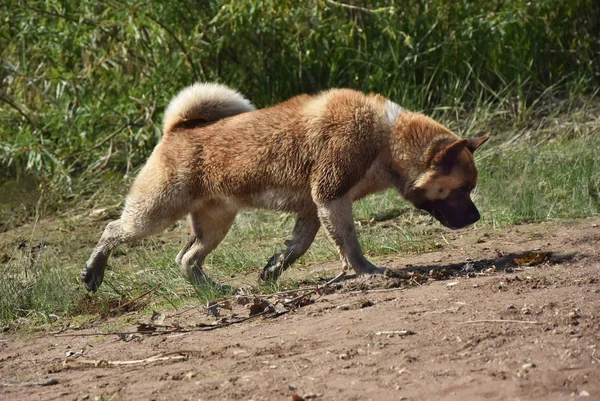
474	216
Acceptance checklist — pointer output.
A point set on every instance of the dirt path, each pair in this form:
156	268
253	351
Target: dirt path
507	333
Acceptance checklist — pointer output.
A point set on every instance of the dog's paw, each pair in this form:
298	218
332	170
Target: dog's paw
91	278
378	270
370	269
273	269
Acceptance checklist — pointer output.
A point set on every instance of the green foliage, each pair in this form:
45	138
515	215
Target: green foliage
562	179
84	83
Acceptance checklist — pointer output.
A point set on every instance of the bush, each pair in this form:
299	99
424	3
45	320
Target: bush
84	83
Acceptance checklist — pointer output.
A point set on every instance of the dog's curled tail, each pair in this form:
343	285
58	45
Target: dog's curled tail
204	102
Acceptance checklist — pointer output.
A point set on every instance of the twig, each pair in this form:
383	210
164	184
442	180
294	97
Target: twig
126	304
502	321
378	290
13	103
170	331
593	357
39	382
185	52
316	290
103	363
358	8
396	332
296	368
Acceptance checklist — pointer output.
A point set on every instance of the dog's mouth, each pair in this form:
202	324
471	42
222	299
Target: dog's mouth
440	217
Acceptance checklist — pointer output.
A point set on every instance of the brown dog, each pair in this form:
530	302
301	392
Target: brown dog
311	155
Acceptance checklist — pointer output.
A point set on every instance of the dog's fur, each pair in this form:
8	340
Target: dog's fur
311	155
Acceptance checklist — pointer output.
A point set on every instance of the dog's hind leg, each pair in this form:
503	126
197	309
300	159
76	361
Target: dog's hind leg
138	220
151	206
305	230
209	226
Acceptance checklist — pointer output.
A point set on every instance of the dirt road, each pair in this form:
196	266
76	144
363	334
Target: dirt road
486	328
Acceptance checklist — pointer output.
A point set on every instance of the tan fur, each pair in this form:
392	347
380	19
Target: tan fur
311	155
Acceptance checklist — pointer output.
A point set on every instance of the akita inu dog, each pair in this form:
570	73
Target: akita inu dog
311	155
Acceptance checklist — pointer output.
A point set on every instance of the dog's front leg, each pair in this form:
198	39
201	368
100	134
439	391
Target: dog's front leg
336	217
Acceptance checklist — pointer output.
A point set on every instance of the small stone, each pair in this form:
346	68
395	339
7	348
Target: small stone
511	307
344	356
528	366
584	393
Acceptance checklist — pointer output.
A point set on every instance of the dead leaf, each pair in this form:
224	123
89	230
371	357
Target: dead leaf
243	300
443	274
418	278
146	328
258	305
531	259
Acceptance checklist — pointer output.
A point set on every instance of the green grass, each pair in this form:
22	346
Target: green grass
85	85
540	182
521	180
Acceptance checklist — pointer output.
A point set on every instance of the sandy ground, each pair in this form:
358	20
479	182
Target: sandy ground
462	323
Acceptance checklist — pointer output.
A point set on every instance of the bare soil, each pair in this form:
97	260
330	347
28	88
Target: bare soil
462	323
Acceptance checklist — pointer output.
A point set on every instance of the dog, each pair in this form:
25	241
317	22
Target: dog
312	155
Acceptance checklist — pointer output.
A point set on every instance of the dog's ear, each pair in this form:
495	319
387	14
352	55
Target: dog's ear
474	143
449	154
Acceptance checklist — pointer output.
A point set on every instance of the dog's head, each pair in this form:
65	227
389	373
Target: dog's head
444	188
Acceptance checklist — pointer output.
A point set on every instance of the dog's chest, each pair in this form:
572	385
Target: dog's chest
281	199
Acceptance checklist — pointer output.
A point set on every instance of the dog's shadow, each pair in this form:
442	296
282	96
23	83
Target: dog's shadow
507	262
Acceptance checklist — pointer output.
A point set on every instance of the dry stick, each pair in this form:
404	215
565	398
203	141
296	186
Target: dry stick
181	355
317	289
296	367
502	321
174	330
311	290
378	290
40	382
126	304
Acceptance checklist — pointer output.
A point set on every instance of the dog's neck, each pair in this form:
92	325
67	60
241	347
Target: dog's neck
412	142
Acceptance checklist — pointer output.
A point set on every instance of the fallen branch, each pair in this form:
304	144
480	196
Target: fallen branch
126	304
378	290
502	321
296	368
103	363
396	332
317	289
39	382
